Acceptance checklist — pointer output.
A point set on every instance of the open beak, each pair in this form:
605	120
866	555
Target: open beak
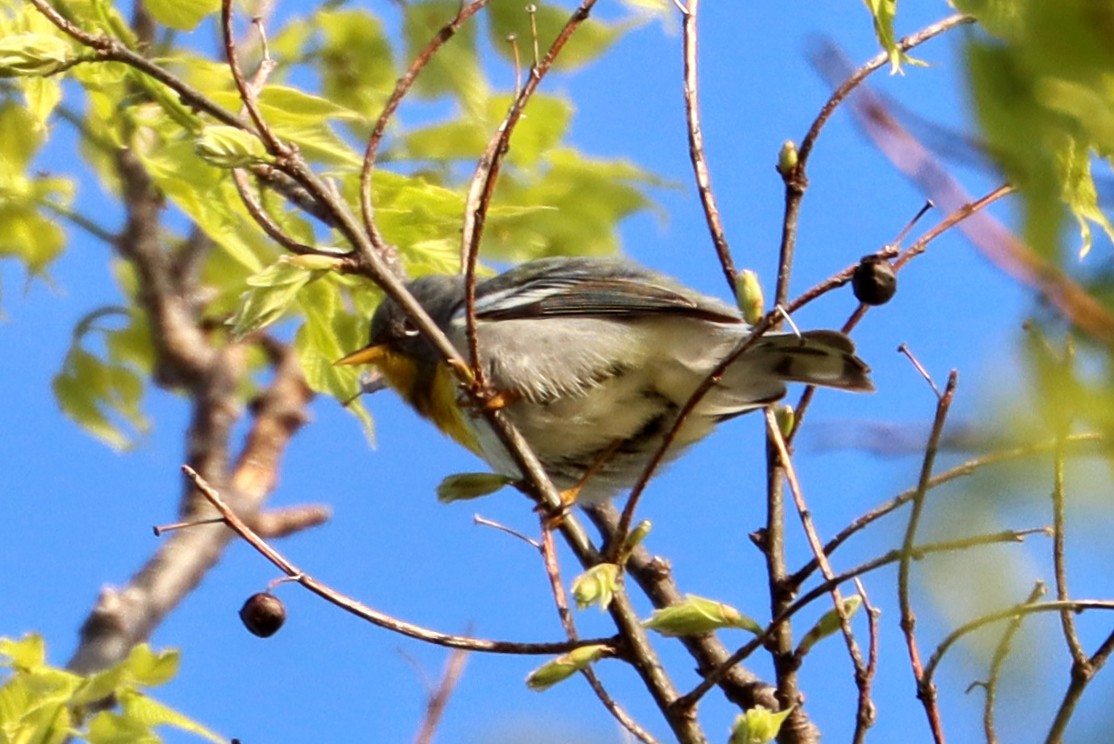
367	355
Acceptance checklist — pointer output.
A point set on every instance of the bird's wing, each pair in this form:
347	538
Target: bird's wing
591	287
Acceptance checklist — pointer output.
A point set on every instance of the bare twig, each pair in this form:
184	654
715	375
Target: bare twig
482	185
959	471
713	677
774	433
361	610
1075	605
1001	651
925	690
865	712
439	698
402	87
696	146
561	600
249	92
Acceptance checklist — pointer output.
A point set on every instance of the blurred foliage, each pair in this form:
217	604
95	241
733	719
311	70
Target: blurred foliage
1043	87
42	704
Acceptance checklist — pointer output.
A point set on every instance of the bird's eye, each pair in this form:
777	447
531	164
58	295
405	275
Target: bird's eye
409	329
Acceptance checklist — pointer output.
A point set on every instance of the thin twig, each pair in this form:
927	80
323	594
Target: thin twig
1059	560
435	706
561	600
865	712
998	244
363	611
786	465
696	146
402	87
713	677
926	692
249	92
959	471
1001	651
1081	676
917	248
482	186
1075	605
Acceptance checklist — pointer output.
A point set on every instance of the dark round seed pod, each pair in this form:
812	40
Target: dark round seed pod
874	281
263	614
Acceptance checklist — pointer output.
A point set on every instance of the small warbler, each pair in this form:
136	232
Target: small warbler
592	359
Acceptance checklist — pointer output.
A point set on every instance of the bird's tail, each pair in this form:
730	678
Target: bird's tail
815	358
759	375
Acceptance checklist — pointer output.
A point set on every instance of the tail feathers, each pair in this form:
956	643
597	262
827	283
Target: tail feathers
815	358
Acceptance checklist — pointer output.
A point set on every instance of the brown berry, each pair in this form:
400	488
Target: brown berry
874	281
263	614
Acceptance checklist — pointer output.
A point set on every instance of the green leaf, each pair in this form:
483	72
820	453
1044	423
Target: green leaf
183	15
28	653
107	727
147	668
272	292
326	336
230	147
150	713
883	13
102	396
357	62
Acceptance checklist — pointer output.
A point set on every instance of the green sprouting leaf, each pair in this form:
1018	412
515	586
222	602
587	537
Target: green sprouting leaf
183	15
596	586
564	666
28	228
509	17
544	123
467	486
40	704
1043	97
19	141
883	13
1081	196
455	69
271	294
758	725
304	120
587	198
697	615
99	685
32	54
829	624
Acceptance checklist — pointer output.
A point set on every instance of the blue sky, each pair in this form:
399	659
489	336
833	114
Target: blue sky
78	515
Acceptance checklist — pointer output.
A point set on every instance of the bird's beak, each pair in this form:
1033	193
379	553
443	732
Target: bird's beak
368	355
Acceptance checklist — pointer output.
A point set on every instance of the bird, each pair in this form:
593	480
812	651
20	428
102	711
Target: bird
592	359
